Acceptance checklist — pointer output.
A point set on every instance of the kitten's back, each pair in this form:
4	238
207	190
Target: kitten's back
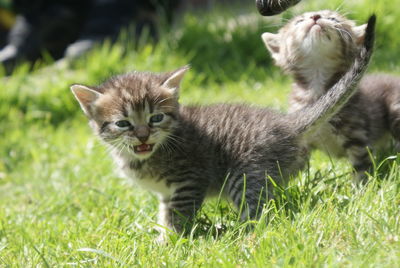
237	134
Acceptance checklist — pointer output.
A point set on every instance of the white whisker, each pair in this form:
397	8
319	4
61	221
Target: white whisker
161	101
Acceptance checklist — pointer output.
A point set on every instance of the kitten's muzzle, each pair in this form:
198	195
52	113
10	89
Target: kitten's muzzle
315	26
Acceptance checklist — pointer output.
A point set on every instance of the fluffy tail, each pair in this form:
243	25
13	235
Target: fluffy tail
274	7
329	104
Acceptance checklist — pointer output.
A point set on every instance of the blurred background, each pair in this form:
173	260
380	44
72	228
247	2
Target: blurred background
32	30
59	191
69	28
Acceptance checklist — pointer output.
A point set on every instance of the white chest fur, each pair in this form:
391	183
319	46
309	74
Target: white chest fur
146	179
149	183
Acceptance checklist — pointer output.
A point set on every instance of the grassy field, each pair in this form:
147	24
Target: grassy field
62	204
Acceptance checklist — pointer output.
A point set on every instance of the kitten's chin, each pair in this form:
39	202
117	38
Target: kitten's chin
317	33
315	29
317	38
143	156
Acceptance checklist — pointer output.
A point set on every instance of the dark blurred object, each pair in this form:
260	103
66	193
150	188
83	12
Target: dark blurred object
104	19
72	27
7	19
107	17
42	25
274	7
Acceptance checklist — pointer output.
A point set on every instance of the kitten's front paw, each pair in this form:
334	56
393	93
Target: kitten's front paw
162	239
360	178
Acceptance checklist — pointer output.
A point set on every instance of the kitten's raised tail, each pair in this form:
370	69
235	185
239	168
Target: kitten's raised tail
329	104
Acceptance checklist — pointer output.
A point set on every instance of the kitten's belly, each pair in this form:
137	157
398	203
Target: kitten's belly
325	140
384	143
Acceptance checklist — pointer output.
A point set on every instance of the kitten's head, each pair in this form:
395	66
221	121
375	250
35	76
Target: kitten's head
134	113
321	34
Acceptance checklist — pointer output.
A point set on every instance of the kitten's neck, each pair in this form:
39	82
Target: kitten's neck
316	78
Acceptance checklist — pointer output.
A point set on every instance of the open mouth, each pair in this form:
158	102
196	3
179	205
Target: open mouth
143	148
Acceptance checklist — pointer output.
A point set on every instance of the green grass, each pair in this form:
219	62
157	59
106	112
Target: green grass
62	204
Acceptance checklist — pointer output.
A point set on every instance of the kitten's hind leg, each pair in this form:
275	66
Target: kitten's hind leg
394	121
178	211
360	159
249	194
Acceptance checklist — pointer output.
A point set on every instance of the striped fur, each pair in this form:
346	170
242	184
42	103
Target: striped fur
201	151
316	60
274	7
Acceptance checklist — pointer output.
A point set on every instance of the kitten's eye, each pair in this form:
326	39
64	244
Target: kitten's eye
298	21
123	123
156	118
333	19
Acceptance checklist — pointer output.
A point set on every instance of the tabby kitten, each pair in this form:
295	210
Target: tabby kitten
187	153
274	7
317	48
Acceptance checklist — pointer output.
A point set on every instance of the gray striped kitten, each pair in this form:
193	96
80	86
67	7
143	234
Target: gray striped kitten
274	7
187	153
317	48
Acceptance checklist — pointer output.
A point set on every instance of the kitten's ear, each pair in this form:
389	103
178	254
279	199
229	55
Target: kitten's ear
86	97
359	32
173	81
271	41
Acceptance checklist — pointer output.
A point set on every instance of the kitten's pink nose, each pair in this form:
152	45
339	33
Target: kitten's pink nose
316	17
142	133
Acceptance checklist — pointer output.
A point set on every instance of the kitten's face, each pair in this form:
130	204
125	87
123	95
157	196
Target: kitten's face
314	34
133	113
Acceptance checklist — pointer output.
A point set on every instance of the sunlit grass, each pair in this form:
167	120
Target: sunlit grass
62	203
